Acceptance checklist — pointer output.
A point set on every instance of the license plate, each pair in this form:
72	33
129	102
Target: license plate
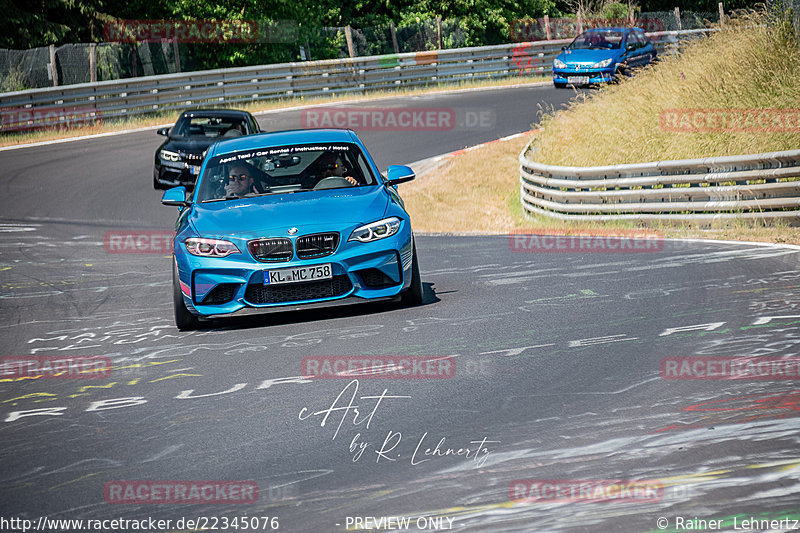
578	80
297	274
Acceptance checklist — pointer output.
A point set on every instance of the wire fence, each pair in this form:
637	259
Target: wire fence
84	63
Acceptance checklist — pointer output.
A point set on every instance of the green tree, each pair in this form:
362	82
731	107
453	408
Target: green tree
28	24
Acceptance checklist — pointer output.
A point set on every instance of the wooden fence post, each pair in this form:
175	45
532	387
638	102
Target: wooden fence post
92	62
394	37
53	71
177	53
348	33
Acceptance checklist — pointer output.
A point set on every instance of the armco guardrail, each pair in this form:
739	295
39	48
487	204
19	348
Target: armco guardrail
764	186
136	96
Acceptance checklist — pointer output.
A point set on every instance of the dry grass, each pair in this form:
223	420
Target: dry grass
478	192
469	192
168	117
747	65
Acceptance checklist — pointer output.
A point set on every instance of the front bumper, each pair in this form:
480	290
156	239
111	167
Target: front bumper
604	75
372	271
174	173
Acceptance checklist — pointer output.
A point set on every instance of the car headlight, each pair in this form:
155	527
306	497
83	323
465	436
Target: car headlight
376	230
166	155
557	63
603	64
210	247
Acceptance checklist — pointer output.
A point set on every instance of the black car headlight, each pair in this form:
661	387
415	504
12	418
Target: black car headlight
376	230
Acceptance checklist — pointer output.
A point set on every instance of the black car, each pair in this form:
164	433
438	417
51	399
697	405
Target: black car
178	159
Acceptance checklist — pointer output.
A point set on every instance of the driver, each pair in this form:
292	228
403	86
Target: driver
333	166
240	181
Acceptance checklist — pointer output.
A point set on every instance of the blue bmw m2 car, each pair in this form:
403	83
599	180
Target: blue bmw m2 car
601	55
288	220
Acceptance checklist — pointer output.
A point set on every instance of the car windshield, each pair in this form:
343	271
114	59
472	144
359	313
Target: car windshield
606	39
284	170
209	127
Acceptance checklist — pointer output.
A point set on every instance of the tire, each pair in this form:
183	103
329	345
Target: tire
184	320
413	295
156	185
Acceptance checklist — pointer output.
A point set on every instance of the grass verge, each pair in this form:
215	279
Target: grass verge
168	117
752	64
478	192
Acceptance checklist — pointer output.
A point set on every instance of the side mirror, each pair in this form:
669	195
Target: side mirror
164	132
630	46
175	196
399	174
563	47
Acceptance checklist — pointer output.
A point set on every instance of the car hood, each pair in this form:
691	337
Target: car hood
309	212
586	56
191	145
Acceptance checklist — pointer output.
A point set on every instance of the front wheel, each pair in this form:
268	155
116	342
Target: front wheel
413	295
184	320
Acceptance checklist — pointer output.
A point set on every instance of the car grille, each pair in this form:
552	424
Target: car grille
375	279
258	293
222	293
271	250
317	245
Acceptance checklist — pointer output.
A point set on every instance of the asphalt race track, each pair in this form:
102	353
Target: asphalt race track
556	378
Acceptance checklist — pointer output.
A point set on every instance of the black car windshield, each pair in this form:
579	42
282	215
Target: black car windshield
284	170
209	127
598	40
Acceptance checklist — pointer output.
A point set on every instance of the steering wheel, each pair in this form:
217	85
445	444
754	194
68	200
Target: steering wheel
332	182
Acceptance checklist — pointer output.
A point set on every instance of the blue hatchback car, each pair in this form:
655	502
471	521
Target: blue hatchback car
288	220
600	55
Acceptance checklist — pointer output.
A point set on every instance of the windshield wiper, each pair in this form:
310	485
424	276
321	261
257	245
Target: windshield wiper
268	193
228	197
234	197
